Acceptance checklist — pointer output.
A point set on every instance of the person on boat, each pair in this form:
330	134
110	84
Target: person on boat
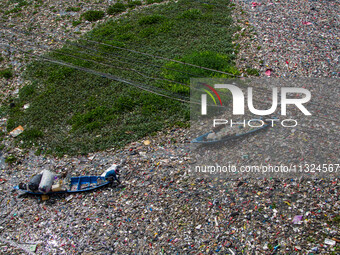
112	176
111	173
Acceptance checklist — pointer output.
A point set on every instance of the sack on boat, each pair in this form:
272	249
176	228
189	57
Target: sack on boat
46	181
33	184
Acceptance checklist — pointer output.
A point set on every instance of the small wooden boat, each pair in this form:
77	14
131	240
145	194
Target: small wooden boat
76	184
203	138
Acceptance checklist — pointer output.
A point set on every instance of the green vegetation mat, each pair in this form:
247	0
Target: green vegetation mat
72	111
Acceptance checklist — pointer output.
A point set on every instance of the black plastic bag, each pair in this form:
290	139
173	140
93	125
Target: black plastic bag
33	184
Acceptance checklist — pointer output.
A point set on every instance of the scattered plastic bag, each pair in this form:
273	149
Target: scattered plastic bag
17	131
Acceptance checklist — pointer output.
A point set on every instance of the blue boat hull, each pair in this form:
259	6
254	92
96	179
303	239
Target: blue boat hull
77	184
